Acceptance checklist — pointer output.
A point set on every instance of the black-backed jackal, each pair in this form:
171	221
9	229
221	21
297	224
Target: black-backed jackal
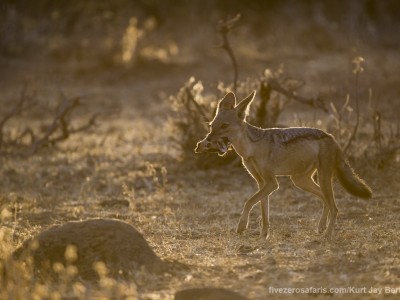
296	152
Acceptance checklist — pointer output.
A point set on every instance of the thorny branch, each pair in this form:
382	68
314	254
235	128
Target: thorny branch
224	27
61	122
198	107
314	102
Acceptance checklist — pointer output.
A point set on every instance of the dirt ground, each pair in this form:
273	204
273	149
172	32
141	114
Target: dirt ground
127	167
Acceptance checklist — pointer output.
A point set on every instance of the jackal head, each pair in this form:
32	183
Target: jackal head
226	125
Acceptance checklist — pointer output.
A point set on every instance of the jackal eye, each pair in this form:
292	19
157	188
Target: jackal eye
225	126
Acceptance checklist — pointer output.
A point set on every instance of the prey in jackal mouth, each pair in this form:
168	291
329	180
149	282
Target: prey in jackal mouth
221	146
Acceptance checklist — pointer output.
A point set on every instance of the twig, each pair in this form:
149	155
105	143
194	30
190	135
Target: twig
314	102
358	68
355	128
90	123
198	107
261	113
26	132
224	27
15	110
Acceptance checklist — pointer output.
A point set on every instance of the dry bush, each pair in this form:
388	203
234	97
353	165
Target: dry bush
31	137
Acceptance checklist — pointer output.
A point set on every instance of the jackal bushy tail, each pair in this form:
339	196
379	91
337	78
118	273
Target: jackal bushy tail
350	180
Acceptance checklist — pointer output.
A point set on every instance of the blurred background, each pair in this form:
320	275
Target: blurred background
149	34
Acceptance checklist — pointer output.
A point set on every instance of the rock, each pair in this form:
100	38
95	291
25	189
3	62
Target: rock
209	294
83	244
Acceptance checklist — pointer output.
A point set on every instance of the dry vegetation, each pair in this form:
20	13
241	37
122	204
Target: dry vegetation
125	149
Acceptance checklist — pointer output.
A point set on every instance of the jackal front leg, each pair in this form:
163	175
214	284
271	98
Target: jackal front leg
244	218
262	195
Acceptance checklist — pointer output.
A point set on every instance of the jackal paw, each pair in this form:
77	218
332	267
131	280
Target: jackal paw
264	233
242	226
326	236
321	228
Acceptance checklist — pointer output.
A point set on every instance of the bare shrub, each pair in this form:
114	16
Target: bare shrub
32	138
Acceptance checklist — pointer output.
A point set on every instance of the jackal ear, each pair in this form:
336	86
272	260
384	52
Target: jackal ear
228	102
243	106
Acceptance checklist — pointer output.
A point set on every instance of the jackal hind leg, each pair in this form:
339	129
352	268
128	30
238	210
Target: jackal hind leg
307	183
269	186
325	182
264	222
